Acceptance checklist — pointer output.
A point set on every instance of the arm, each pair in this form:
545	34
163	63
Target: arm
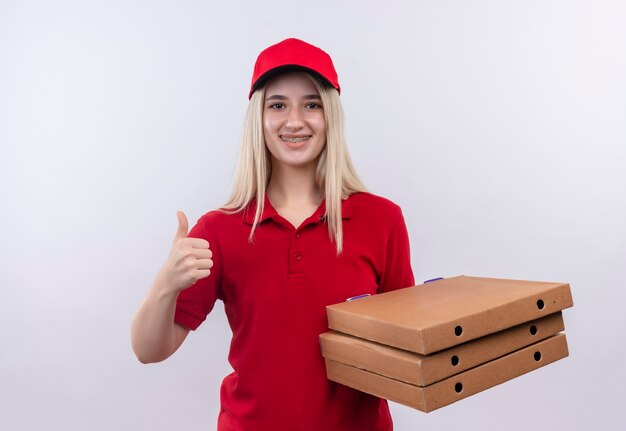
397	273
154	334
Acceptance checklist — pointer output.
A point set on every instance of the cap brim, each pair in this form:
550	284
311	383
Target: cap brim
262	80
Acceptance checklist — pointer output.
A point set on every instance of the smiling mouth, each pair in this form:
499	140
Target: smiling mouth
295	140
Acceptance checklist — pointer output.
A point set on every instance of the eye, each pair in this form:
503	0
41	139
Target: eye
276	106
313	105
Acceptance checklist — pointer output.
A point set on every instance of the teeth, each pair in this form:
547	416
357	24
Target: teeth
295	140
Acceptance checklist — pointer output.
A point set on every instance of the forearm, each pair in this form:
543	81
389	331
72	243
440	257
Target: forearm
153	332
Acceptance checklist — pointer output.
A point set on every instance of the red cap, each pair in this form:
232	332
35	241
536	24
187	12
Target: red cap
293	54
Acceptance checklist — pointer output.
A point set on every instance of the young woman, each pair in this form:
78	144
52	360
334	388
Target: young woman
298	233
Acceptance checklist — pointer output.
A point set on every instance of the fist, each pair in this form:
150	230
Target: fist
189	260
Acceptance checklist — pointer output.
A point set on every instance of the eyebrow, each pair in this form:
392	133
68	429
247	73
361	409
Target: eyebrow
280	97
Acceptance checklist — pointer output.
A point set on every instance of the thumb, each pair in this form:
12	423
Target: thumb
183	226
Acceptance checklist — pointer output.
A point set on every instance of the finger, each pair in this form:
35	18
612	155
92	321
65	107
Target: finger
203	273
202	264
188	256
195	253
183	226
198	243
201	253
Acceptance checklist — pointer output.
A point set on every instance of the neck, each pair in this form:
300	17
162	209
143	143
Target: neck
291	186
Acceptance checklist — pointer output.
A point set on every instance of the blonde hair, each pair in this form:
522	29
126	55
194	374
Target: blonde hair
335	173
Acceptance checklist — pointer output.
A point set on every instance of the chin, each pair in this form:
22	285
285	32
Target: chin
298	163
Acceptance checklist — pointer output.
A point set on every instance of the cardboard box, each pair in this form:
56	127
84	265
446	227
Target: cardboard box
423	370
454	388
444	313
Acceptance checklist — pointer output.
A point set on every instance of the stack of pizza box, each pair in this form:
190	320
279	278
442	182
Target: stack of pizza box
431	345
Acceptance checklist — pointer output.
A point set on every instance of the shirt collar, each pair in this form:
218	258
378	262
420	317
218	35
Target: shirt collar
270	212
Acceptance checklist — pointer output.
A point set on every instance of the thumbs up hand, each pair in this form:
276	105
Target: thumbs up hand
189	260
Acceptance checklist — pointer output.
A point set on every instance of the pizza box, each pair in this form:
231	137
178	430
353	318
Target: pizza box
423	370
456	387
440	314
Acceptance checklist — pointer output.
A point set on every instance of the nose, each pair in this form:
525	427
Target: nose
295	120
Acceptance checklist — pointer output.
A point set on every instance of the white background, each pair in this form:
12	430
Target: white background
498	126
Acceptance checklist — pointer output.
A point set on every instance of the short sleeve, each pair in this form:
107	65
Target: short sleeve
397	272
196	302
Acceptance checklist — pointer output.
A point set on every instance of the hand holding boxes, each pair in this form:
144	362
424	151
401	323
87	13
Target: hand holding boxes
430	345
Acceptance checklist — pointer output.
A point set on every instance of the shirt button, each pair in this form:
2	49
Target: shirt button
298	256
297	234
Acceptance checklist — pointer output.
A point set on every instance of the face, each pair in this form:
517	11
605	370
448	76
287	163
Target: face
293	120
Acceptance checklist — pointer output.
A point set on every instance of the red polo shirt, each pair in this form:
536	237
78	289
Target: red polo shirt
275	292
